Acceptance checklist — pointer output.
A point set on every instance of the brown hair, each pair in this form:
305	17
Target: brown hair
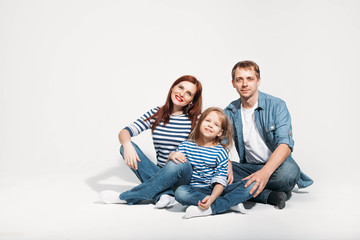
226	137
246	65
192	110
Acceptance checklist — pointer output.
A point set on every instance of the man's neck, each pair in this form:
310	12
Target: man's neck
251	101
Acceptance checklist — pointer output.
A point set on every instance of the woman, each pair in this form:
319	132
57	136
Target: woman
171	124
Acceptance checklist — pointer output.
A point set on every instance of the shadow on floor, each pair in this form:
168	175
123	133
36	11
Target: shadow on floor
121	171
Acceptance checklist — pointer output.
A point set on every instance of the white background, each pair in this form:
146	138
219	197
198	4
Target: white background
74	73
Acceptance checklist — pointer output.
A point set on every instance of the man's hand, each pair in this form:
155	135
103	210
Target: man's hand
230	174
177	156
260	178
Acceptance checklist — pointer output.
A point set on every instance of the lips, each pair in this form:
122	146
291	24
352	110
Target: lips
178	98
209	130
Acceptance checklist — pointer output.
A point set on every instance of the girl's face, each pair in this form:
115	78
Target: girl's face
210	127
182	94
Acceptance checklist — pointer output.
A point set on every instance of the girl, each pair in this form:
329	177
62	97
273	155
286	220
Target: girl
206	151
170	125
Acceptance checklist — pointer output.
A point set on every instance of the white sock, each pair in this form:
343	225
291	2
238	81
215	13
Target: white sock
195	211
109	196
165	201
239	208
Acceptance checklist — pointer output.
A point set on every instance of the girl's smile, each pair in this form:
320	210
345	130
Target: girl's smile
210	128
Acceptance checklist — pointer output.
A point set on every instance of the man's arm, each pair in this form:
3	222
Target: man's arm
283	141
262	176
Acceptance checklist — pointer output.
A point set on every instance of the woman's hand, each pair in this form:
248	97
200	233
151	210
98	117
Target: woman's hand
177	156
130	156
206	202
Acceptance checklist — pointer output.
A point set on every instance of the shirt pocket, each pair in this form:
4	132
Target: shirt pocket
270	133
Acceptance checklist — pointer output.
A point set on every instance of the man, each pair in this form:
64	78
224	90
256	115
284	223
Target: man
263	140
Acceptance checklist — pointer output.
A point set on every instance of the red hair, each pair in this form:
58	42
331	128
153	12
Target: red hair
191	110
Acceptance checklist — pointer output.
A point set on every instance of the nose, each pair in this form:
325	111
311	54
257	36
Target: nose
245	82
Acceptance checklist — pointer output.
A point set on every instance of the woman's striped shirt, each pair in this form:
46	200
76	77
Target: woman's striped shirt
209	164
165	138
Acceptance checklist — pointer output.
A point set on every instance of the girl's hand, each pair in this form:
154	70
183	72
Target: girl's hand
206	202
130	156
177	156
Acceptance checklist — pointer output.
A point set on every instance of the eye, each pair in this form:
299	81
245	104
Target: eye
251	79
238	80
189	93
181	87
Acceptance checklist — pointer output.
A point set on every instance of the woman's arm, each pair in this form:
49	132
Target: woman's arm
130	155
208	200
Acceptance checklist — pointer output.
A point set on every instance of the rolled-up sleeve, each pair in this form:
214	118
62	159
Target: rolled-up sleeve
283	131
220	175
141	124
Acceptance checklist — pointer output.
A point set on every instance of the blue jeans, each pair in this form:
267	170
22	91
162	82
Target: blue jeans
146	169
164	181
231	196
283	179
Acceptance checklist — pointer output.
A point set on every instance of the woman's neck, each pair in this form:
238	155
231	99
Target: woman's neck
177	111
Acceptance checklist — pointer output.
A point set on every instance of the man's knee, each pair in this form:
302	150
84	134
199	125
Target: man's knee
248	189
291	172
287	175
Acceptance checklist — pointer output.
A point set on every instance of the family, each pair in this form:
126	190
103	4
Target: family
193	167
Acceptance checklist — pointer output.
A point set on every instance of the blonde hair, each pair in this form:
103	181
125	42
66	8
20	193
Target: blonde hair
226	137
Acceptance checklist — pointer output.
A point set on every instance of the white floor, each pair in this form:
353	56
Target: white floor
66	206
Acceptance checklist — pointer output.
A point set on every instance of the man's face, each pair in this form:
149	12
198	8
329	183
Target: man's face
246	82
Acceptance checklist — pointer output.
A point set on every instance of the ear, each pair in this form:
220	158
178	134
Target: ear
258	81
233	83
220	133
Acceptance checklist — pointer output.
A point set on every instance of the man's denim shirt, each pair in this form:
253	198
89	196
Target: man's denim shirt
273	122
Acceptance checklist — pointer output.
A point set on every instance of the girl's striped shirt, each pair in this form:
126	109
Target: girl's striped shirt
165	138
209	164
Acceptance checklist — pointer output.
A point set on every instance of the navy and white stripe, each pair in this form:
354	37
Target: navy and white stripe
165	138
209	164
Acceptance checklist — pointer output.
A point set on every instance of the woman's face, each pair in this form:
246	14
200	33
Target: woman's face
182	94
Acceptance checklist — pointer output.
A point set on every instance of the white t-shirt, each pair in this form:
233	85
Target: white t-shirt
256	150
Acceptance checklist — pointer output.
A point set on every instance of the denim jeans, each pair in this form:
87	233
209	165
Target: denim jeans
147	170
283	179
232	195
164	181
